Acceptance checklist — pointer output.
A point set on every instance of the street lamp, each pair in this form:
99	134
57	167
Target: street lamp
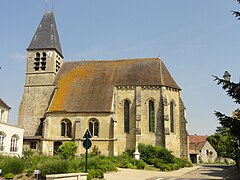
226	76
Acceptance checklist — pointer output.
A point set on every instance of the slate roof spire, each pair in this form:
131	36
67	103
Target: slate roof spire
46	36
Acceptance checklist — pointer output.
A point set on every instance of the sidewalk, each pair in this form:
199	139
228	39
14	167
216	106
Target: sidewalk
133	174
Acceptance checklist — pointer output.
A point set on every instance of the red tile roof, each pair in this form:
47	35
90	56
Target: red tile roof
195	147
197	138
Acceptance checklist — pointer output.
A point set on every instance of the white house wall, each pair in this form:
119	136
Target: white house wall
9	131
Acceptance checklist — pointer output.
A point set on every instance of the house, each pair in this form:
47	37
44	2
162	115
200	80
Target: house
122	102
200	150
11	136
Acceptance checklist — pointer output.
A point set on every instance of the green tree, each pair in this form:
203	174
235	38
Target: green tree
224	143
230	126
67	150
237	13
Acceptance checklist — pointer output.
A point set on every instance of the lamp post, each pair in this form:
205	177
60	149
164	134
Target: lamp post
226	76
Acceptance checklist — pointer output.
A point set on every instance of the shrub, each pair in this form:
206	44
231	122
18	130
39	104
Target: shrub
140	164
77	165
149	153
13	165
158	162
32	162
67	150
179	163
9	176
53	167
95	173
166	167
95	151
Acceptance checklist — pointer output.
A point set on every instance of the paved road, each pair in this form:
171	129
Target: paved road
209	172
197	172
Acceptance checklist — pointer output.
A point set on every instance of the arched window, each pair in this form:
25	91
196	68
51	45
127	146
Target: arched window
126	116
2	140
43	61
171	116
37	61
93	126
66	128
14	143
151	116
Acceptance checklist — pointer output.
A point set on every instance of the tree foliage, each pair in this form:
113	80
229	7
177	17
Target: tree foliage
224	143
225	140
230	123
67	150
237	13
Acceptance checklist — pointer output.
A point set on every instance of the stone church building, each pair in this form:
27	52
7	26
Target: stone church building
122	102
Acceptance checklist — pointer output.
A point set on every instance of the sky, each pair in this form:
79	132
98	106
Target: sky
195	39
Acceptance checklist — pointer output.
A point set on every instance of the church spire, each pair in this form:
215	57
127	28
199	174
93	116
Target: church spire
46	36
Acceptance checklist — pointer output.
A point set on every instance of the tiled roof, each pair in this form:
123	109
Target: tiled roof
87	86
3	104
46	36
197	138
194	148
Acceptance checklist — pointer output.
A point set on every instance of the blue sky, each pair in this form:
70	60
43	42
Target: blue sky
195	39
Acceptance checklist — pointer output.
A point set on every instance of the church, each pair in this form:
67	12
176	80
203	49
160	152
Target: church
122	102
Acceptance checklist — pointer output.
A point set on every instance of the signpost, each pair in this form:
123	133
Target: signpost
87	143
36	173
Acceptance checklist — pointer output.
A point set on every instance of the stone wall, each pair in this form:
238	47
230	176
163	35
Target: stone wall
69	176
112	140
38	91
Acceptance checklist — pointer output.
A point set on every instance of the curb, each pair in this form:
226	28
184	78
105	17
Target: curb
198	167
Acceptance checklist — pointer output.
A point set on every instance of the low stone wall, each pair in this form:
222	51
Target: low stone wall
69	176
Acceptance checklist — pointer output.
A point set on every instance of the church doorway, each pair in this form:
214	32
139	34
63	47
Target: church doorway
56	146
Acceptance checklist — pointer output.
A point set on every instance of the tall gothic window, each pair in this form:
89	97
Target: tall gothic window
151	116
2	141
126	116
14	143
171	116
93	125
66	128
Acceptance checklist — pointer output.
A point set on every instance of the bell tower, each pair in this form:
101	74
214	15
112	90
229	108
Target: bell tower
44	59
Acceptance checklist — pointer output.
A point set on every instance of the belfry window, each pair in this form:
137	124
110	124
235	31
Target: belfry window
14	143
43	61
58	64
66	128
93	125
151	116
172	116
126	116
37	61
40	61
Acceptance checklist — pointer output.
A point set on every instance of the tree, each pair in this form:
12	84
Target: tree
237	13
224	143
230	125
67	150
225	140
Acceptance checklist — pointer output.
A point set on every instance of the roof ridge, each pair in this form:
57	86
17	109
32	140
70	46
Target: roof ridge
3	104
110	60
